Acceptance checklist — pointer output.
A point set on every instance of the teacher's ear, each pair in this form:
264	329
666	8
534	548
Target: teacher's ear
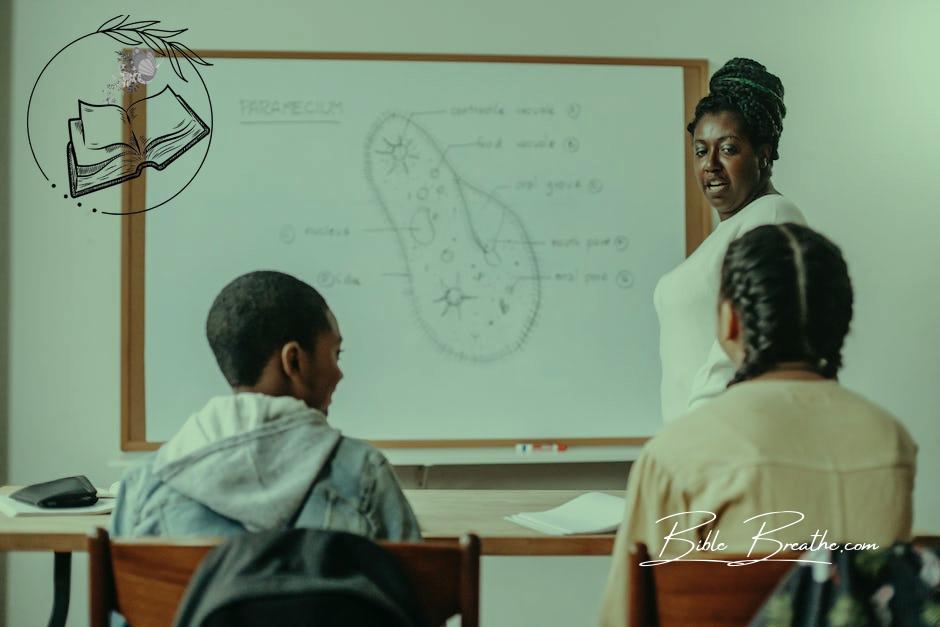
764	162
729	332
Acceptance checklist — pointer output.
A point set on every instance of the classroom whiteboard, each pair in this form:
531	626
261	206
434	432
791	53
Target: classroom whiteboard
488	235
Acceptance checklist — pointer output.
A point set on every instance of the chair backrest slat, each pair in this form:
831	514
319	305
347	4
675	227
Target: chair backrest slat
702	593
146	580
150	580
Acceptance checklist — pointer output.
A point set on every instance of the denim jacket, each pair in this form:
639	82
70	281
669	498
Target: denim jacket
254	462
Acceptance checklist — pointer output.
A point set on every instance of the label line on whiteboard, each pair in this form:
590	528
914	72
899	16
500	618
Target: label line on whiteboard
290	122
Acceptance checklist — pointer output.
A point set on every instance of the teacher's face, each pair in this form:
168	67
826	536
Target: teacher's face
726	165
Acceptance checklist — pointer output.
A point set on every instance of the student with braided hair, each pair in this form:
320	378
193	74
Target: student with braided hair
786	444
735	136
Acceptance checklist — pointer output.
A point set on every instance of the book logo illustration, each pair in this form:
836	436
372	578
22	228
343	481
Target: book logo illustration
137	67
97	160
118	121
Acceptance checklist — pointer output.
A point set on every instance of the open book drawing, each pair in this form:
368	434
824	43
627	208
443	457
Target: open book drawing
594	512
161	128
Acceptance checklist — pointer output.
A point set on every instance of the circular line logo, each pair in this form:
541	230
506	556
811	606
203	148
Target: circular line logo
113	140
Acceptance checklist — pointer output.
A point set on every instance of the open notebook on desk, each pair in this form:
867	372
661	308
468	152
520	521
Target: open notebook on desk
594	512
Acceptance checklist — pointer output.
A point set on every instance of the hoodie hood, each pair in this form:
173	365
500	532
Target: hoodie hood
249	457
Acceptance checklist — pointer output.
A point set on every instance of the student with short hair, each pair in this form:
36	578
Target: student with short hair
785	440
265	456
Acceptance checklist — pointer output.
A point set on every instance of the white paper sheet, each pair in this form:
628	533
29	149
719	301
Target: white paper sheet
14	508
594	512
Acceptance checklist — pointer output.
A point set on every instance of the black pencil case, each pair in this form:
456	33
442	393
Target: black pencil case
67	492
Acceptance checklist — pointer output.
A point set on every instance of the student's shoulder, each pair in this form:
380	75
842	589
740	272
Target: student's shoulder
140	476
694	439
357	453
137	488
142	485
874	419
680	441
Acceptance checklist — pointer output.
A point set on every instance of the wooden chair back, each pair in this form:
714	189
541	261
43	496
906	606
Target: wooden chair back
145	580
705	594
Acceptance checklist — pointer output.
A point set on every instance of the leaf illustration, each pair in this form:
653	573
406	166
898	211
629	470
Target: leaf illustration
175	62
162	47
139	25
193	57
122	37
158	46
163	33
158	39
112	22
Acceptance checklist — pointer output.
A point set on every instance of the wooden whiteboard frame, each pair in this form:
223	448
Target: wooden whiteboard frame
133	235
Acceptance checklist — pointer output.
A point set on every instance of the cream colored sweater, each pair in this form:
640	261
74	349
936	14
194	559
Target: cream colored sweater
766	446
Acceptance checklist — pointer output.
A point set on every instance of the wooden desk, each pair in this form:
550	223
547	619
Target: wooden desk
442	514
446	514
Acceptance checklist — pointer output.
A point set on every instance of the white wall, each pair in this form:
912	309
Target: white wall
5	15
858	155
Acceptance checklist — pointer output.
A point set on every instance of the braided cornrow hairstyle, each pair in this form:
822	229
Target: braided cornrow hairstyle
745	87
791	289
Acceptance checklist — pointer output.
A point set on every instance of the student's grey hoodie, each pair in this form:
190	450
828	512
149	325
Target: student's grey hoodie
250	462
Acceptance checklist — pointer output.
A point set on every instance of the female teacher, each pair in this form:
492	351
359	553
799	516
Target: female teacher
735	134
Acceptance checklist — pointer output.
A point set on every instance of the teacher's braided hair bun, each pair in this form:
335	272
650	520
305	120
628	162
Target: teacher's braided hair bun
791	289
745	87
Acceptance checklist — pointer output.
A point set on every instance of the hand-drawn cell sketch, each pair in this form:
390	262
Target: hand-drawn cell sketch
473	271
